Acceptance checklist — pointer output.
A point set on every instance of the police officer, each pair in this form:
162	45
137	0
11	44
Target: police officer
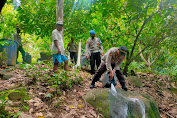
93	46
111	62
18	39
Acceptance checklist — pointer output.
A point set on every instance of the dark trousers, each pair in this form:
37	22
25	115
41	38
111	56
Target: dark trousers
94	57
73	56
102	68
20	48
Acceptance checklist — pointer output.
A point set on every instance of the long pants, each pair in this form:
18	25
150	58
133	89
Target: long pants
73	56
102	68
82	61
94	57
20	48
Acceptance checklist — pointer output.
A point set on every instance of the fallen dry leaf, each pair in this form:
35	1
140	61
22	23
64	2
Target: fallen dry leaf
71	106
80	106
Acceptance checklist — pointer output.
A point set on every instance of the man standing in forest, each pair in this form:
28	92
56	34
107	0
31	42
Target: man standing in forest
57	48
17	38
111	62
94	47
72	48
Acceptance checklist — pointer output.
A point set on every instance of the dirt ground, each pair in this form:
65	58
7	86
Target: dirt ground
70	103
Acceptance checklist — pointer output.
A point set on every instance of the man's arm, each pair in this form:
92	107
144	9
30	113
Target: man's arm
68	46
101	47
56	44
76	47
108	61
101	50
108	64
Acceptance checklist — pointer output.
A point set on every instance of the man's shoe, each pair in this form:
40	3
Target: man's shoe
124	88
92	77
92	86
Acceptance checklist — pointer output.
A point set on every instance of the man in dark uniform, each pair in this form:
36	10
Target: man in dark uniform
94	47
111	62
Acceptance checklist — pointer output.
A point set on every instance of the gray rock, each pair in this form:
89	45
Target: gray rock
15	96
126	103
135	80
5	75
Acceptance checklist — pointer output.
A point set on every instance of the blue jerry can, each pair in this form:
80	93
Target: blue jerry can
8	51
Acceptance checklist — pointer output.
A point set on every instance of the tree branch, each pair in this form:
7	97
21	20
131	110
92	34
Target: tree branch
141	30
142	57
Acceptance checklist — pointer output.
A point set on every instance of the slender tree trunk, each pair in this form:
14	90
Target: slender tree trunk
59	11
147	62
79	54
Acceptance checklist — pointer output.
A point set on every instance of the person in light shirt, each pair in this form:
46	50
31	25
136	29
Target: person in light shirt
57	48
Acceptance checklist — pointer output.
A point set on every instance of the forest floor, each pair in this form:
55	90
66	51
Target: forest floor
69	103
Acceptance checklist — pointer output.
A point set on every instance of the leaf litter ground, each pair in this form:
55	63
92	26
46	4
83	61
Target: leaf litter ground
69	103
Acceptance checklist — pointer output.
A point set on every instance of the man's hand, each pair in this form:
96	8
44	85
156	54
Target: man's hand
59	52
112	74
87	57
102	54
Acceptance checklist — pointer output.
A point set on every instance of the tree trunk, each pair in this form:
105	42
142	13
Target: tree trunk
79	54
148	61
59	12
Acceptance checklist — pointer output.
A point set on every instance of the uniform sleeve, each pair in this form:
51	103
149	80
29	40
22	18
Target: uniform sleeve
108	60
100	46
76	46
117	65
87	49
101	49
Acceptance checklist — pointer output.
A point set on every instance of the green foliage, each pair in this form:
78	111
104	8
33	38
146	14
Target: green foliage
4	113
166	63
8	21
49	95
151	24
26	66
58	103
63	81
34	16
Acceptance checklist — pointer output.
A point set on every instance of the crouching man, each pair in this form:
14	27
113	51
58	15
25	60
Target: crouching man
111	62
